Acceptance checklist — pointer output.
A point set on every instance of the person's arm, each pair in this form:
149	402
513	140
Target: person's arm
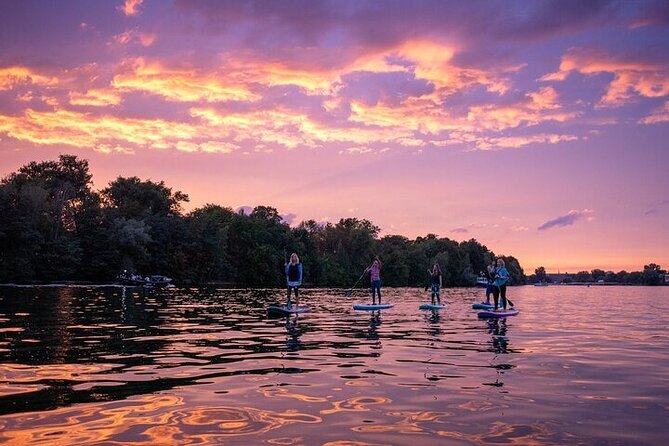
299	269
439	280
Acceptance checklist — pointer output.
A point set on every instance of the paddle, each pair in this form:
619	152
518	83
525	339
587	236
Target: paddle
348	292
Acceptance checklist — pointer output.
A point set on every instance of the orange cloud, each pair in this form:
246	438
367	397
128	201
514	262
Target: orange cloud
179	85
10	77
130	7
103	133
537	107
631	77
96	97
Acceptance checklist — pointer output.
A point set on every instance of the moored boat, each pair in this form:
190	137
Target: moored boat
157	281
482	282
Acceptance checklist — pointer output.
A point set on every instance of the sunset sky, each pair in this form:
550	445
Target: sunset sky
539	128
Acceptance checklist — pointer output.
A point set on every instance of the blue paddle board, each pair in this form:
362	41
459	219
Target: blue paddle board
501	313
431	307
483	306
276	309
372	307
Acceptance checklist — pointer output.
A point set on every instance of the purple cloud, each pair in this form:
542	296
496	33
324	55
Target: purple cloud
385	88
459	231
288	219
567	220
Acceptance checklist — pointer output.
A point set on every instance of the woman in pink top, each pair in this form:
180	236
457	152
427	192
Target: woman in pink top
375	276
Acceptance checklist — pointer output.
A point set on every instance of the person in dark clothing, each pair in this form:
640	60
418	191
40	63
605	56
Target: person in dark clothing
293	270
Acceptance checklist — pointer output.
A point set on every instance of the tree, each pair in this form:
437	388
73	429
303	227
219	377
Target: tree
651	274
133	198
582	276
540	274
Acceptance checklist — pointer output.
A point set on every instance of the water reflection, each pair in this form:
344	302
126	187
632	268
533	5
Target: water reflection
497	329
293	333
183	366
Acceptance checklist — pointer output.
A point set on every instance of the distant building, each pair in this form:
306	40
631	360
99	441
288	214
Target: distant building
666	279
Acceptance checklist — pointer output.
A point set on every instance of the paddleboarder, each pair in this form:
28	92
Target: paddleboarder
375	278
293	270
435	283
501	279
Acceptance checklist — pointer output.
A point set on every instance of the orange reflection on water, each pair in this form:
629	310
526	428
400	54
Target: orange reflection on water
12	389
74	372
358	404
282	392
154	420
534	435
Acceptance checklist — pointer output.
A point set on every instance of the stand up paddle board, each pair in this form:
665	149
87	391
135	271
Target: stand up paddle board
483	306
276	309
431	307
501	313
372	307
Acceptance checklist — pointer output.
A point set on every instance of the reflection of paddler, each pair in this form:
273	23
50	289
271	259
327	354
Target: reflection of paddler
374	322
497	328
293	332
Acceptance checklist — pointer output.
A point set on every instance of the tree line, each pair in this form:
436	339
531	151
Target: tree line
54	226
652	274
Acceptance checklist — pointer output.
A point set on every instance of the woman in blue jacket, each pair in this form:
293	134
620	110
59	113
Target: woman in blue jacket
501	279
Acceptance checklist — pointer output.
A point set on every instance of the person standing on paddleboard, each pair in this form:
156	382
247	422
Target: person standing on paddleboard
375	277
293	270
501	279
490	275
435	283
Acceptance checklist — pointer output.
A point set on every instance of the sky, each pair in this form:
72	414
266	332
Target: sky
539	128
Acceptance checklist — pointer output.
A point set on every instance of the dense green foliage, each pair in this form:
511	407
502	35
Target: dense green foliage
54	226
652	274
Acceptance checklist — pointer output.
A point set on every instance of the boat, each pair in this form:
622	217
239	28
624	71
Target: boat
157	281
482	282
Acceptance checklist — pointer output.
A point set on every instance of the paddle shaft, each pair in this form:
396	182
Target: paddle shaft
356	282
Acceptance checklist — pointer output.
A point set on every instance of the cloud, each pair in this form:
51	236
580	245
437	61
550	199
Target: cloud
288	219
96	97
11	77
391	88
245	210
459	230
657	116
634	74
656	208
567	220
179	85
130	7
134	36
515	142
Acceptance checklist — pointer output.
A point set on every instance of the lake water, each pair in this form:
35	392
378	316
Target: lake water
577	366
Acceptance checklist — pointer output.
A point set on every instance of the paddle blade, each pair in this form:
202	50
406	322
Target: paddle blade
348	293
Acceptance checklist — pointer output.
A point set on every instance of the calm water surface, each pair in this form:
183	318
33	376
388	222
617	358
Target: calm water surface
578	366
